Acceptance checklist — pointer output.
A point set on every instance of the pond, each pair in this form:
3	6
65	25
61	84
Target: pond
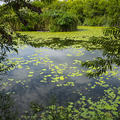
52	66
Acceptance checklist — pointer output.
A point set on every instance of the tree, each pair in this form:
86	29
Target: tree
113	10
110	46
15	5
94	8
48	1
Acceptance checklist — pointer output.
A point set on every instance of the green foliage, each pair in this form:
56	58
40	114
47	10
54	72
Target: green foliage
71	111
47	21
14	22
91	21
75	7
52	21
97	21
31	17
57	5
4	48
62	21
113	11
113	31
48	1
38	4
104	21
43	21
94	8
7	107
89	13
111	50
65	20
88	9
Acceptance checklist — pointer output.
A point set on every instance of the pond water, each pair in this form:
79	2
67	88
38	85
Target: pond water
54	68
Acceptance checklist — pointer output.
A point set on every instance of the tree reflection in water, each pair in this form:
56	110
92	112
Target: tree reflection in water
110	46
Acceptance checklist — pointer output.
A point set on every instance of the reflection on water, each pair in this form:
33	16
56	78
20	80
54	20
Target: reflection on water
31	88
44	68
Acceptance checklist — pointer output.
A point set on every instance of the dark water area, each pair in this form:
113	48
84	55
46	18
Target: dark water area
41	72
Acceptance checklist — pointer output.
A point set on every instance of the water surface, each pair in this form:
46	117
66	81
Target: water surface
55	68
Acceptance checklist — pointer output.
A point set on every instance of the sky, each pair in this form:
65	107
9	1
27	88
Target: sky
1	2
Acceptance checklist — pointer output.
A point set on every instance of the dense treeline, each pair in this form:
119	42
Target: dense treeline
89	12
66	15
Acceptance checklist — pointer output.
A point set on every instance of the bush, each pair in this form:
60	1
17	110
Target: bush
62	21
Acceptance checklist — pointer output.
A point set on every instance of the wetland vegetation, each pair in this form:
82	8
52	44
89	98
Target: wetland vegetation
72	73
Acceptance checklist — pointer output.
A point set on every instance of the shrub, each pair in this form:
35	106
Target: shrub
62	21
